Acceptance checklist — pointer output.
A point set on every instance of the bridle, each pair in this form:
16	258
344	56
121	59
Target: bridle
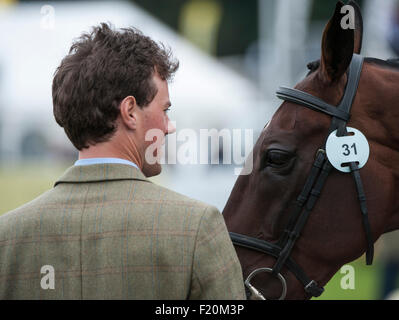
311	191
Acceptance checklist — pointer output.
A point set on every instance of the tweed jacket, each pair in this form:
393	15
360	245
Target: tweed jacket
106	232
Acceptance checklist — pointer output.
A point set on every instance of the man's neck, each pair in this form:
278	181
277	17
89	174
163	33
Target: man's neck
107	150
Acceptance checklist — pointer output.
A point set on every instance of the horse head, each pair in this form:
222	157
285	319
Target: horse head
344	220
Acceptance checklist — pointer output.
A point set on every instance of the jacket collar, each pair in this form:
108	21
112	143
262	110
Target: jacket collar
101	172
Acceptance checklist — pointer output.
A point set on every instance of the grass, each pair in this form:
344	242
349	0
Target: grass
22	183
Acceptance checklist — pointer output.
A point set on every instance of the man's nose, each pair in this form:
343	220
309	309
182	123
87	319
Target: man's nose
171	127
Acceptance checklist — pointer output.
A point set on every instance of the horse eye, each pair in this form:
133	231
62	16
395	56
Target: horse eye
276	159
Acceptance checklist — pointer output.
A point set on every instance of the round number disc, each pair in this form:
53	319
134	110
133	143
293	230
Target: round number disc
343	150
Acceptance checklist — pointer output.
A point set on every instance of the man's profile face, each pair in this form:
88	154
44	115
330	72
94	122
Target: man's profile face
154	116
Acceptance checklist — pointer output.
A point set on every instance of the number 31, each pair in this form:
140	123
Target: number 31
347	151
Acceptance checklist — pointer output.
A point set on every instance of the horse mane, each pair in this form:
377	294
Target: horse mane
392	63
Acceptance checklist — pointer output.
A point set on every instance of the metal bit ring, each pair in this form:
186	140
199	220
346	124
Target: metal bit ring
255	293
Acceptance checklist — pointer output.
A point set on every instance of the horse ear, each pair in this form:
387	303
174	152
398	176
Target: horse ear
358	27
337	46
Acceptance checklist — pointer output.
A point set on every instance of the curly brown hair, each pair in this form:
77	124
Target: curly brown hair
101	69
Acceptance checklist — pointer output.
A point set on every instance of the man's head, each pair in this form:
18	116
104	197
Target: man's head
111	88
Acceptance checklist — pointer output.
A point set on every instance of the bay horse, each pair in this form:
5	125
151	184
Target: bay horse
297	218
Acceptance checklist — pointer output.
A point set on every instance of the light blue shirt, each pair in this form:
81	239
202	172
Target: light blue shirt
87	162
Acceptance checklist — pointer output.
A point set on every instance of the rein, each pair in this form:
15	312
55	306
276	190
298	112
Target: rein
311	191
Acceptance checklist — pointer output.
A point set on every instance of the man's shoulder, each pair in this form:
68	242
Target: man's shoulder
24	212
168	195
144	198
176	203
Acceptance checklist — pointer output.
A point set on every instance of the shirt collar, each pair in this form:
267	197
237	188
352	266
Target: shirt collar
90	161
101	172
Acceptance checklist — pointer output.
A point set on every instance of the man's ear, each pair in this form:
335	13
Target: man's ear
128	112
337	46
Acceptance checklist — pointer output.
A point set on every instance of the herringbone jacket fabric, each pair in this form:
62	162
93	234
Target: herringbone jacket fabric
109	233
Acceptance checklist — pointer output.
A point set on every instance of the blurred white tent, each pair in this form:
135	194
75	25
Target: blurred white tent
36	36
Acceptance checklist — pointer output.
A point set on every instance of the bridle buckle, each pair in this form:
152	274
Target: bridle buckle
313	288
